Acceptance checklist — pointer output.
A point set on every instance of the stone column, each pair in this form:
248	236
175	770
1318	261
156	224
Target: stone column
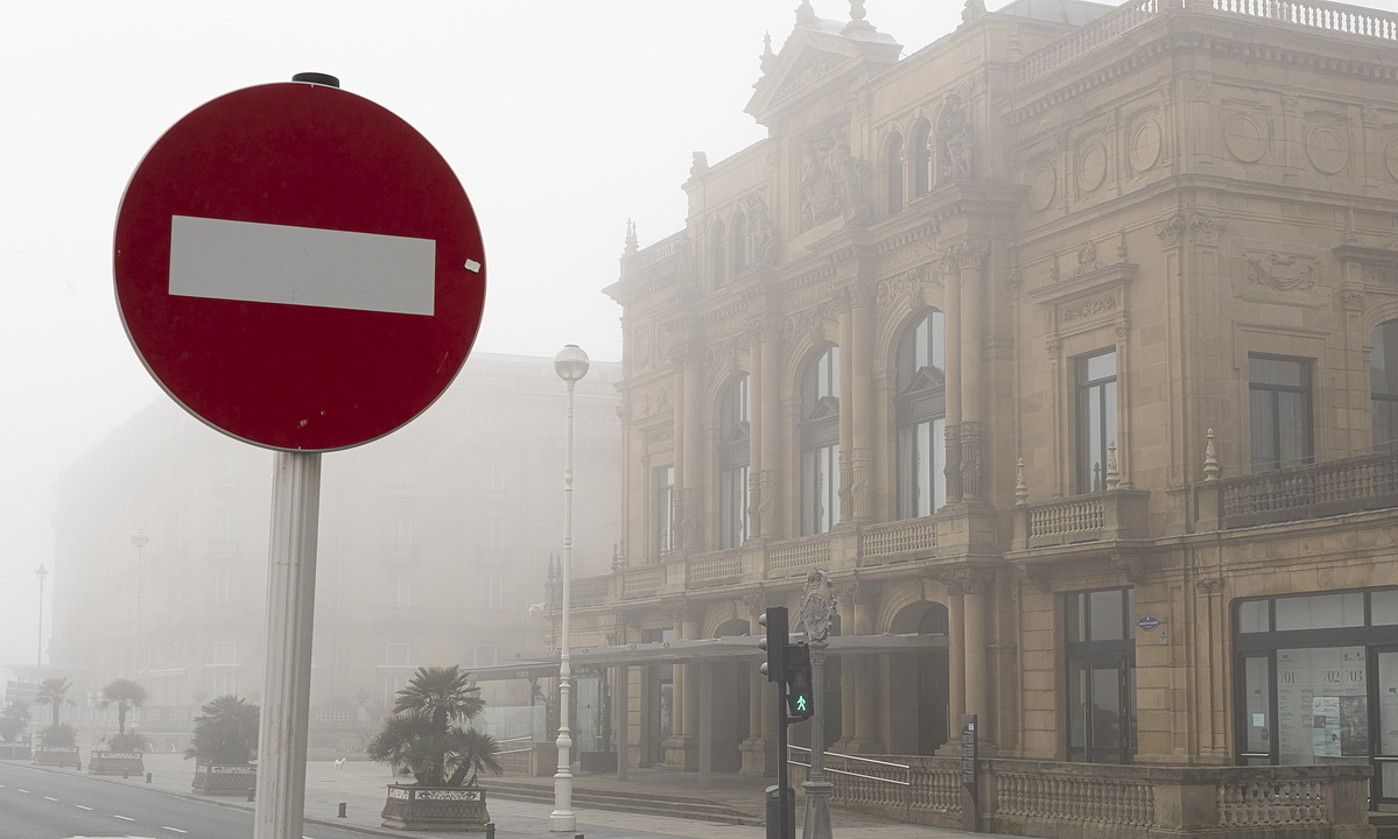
862	399
866	738
623	720
956	659
971	258
756	381
760	710
977	658
952	318
691	522
691	696
846	383
772	454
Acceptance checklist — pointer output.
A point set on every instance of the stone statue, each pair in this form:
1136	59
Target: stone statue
818	606
958	138
834	181
974	11
761	231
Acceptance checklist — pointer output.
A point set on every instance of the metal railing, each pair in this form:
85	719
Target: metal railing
902	786
513	765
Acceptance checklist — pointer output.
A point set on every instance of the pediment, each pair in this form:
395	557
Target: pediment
813	57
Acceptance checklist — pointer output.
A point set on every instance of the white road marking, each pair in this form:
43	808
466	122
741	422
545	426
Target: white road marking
23	790
83	807
123	818
173	829
50	798
221	259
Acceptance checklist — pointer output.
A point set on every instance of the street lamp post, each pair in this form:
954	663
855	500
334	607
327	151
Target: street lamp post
42	574
138	540
571	365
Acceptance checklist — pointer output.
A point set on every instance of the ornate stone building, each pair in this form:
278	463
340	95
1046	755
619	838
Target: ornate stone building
1066	345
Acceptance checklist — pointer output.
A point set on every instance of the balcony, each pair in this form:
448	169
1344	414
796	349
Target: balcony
1333	488
1111	516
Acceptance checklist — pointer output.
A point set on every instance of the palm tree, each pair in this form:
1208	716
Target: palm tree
125	694
225	732
423	735
52	692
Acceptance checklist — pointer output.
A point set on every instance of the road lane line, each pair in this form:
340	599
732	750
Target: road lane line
123	818
83	807
50	798
173	829
25	791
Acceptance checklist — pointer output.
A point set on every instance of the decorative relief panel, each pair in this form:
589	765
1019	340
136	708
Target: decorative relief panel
1247	132
833	181
1327	148
909	285
1043	185
1391	158
1275	272
1092	165
1288	272
1145	144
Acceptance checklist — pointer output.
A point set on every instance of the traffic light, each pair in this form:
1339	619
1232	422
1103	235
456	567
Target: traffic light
774	643
800	699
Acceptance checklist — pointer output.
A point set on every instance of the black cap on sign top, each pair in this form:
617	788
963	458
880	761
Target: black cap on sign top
317	78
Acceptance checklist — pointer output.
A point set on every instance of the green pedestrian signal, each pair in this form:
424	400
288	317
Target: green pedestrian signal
800	698
800	703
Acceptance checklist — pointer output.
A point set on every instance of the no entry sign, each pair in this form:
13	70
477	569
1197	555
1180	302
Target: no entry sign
299	267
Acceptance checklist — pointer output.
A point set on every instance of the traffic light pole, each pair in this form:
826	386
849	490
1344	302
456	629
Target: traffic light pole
786	829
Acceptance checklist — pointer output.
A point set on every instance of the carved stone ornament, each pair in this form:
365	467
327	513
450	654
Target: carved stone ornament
1088	308
699	164
907	285
957	137
973	11
818	605
754	602
833	181
1352	299
1209	585
761	232
1087	257
1206	228
1283	273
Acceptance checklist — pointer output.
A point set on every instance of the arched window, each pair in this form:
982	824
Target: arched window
921	411
922	158
740	244
718	253
1383	385
733	457
820	442
893	157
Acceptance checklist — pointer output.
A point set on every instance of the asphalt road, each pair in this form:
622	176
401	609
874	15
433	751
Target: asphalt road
41	804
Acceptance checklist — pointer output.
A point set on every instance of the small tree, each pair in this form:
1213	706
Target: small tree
125	695
60	734
12	722
53	692
225	732
424	736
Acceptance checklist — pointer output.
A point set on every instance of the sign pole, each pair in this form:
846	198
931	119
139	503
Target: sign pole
286	682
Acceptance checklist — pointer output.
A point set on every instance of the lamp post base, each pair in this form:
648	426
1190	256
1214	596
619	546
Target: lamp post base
817	825
560	822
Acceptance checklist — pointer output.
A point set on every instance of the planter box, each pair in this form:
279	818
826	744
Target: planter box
58	756
411	807
116	763
15	751
213	779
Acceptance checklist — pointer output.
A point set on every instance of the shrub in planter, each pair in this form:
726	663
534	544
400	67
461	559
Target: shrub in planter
225	739
58	747
445	759
122	756
13	720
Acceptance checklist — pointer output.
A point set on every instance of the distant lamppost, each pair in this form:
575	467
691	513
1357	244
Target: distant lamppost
42	574
571	365
139	540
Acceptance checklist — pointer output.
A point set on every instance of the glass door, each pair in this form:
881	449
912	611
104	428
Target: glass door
1384	695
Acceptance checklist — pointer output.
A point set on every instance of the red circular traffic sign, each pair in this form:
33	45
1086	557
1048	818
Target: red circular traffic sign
299	267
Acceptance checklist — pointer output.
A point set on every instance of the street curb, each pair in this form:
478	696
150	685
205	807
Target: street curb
354	828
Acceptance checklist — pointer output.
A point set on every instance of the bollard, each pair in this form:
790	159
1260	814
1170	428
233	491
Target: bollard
252	793
343	807
148	777
490	830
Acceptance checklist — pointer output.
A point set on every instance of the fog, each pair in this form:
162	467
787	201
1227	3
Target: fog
562	120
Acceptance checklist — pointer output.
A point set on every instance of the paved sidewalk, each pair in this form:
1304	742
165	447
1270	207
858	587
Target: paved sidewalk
361	786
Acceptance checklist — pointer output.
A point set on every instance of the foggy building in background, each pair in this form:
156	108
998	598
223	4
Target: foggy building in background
434	542
1066	344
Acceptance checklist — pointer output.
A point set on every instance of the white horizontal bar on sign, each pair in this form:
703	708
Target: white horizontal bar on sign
301	266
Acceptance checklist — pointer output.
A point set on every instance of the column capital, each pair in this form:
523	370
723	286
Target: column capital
966	580
966	252
683	611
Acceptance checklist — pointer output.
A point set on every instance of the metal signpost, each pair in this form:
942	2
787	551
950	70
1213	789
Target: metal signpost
818	612
300	269
970	811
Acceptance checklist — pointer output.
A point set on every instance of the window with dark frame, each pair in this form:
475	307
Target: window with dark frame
921	411
734	455
663	479
1101	675
820	442
922	158
1096	418
893	161
1279	412
1383	385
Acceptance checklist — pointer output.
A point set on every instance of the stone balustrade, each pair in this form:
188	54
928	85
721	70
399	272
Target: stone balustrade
1100	801
909	539
793	557
1325	489
715	568
1116	514
642	581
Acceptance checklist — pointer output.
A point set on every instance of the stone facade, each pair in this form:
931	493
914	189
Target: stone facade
1184	188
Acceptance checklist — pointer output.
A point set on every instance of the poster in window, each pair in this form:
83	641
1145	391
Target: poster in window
1354	726
1325	726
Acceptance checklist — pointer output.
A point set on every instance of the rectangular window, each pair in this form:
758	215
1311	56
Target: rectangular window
1279	412
922	480
1096	419
733	507
663	479
402	592
820	489
494	594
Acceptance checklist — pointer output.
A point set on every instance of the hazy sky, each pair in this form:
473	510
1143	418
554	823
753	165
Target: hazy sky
562	120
